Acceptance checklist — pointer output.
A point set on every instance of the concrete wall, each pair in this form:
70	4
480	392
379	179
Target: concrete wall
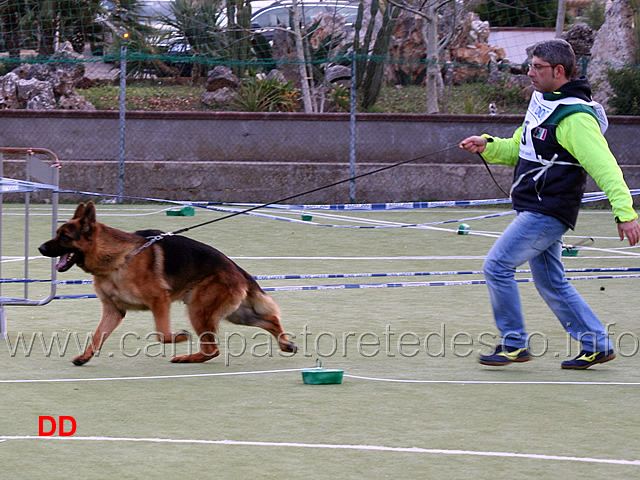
237	157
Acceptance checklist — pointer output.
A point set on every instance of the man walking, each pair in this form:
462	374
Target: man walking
559	143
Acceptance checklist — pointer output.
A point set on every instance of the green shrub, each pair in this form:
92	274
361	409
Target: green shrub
518	13
265	95
341	99
625	84
474	98
6	67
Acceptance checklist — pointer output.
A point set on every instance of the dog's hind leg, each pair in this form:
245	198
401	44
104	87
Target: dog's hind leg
260	310
206	307
111	318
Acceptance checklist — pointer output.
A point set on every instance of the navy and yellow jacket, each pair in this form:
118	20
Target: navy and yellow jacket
571	134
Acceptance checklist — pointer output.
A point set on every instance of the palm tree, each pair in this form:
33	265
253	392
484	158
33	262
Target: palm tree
55	21
216	30
42	24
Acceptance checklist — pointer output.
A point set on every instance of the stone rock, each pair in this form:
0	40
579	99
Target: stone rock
479	32
614	47
496	77
222	96
86	83
27	89
508	80
74	101
328	24
42	101
581	38
475	62
470	31
468	45
339	74
407	43
46	86
523	82
62	83
64	60
9	91
221	77
284	50
276	75
479	53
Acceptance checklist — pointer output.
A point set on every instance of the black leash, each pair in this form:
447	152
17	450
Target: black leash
582	243
486	165
157	238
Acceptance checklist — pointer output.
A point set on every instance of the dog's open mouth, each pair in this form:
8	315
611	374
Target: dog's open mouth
67	260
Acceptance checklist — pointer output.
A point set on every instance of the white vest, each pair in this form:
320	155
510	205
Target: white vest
540	109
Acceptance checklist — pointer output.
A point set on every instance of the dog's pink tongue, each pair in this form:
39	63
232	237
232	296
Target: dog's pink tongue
63	261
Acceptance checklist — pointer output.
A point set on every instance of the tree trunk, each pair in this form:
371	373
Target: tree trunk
433	72
302	67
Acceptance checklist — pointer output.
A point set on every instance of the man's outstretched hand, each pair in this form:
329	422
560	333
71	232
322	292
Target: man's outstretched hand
474	144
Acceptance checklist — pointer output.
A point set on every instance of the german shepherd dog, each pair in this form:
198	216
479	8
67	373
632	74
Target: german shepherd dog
174	268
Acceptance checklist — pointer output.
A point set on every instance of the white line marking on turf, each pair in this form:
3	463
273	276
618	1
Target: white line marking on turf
152	377
8	259
490	382
357	377
376	448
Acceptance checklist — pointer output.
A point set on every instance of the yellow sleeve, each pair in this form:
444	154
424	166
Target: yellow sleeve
502	151
580	135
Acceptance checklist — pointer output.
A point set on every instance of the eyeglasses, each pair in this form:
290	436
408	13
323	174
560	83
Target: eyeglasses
536	68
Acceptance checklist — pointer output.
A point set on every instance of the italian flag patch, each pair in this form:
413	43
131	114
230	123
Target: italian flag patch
539	133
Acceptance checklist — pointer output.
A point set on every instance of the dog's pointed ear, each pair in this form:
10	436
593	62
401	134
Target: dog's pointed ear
79	211
90	213
87	217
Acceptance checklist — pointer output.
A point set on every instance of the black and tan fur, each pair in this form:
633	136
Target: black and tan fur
175	268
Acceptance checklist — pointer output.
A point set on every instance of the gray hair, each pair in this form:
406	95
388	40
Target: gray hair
556	52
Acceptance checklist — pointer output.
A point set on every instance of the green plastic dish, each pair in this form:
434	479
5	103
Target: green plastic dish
321	376
183	212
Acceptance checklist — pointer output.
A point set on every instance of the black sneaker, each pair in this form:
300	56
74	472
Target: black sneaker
586	359
504	355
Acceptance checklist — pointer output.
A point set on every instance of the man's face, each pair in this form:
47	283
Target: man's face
545	76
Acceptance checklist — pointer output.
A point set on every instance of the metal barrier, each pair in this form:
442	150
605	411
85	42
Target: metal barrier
36	170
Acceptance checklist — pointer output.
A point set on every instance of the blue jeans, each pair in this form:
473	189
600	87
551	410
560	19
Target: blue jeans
537	238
